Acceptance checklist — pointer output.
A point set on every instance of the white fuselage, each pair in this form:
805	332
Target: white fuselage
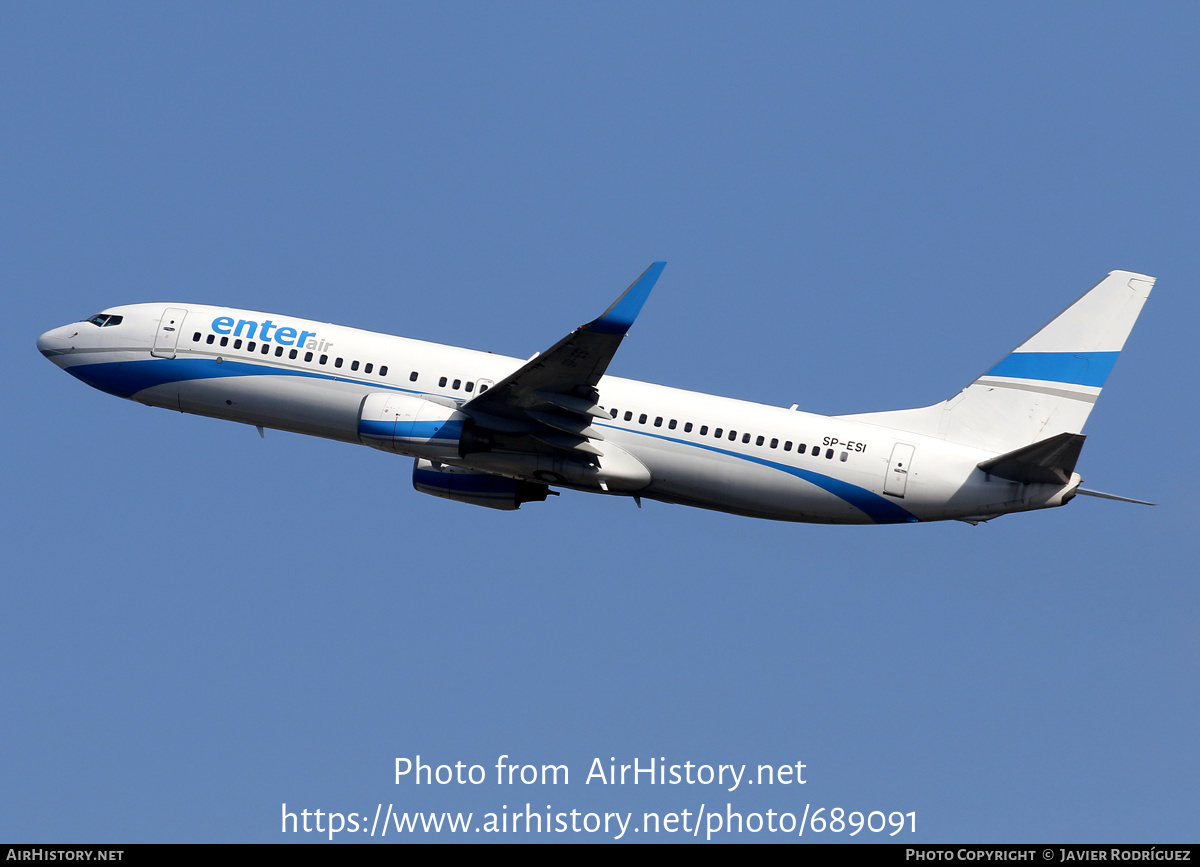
697	449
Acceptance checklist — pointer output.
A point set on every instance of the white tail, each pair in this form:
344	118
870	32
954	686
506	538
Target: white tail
1047	385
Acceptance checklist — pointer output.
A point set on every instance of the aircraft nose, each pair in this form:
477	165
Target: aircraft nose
56	341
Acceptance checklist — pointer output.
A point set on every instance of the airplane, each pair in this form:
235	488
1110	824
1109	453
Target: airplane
499	432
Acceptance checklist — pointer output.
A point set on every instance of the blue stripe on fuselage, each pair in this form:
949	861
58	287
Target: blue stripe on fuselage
127	378
876	507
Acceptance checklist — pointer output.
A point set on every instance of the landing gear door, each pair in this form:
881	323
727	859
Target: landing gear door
167	336
896	480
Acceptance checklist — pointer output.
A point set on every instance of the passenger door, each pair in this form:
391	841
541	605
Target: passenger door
167	336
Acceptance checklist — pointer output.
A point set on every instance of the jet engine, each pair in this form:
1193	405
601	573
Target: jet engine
411	425
479	489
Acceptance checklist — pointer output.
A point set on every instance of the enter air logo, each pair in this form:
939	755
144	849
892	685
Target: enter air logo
267	331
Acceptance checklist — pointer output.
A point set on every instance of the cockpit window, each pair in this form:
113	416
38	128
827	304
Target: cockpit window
102	319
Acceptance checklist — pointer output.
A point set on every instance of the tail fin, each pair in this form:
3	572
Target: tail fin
1047	385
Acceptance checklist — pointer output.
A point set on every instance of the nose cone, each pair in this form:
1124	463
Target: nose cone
57	341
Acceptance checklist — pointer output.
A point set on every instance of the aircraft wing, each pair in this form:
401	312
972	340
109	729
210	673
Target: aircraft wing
546	406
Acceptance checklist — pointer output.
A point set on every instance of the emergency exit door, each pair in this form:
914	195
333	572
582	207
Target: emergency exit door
898	468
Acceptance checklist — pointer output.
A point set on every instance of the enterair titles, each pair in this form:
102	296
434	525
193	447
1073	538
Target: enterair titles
284	335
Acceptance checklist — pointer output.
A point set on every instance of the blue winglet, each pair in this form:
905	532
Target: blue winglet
618	318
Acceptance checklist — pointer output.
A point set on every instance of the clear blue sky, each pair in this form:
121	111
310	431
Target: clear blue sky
863	206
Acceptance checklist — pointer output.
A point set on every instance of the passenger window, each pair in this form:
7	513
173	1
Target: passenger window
671	424
687	428
266	349
733	436
412	377
829	454
844	455
658	421
703	430
337	362
383	370
482	389
628	415
323	359
211	339
442	382
457	383
293	353
251	346
470	386
717	433
369	366
787	447
308	356
774	443
354	364
237	344
224	341
612	413
642	418
196	337
279	352
759	441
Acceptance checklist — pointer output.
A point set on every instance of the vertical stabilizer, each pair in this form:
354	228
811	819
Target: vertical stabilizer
1047	385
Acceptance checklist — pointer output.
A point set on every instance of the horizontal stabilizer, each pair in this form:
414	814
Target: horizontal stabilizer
1103	496
1048	462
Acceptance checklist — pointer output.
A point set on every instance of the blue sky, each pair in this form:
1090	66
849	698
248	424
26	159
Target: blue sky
862	207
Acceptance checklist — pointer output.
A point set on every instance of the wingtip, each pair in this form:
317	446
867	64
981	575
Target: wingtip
620	316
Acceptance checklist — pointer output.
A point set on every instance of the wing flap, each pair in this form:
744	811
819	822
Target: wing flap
568	424
577	405
567	442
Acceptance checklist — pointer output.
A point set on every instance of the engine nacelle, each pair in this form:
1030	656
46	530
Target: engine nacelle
469	486
410	425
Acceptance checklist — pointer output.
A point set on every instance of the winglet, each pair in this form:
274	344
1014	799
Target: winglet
618	317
